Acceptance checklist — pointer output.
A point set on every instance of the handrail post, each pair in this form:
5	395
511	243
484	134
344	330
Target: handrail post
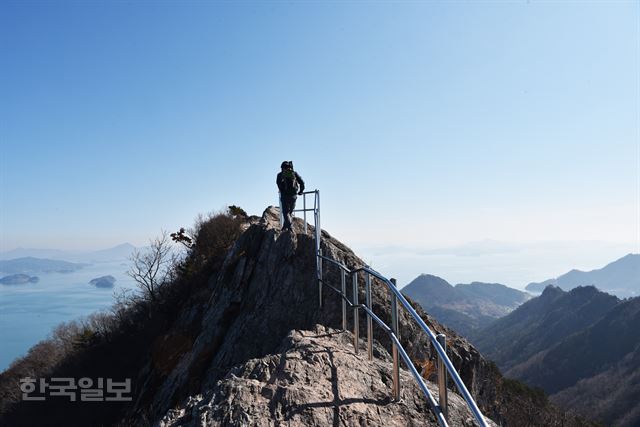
369	319
281	212
344	302
318	226
318	233
304	210
356	325
442	379
396	330
319	276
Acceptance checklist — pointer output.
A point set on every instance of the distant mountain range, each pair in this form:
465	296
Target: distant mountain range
621	277
464	307
540	323
31	265
582	347
613	344
117	253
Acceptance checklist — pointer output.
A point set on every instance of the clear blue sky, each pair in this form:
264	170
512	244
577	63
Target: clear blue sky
423	123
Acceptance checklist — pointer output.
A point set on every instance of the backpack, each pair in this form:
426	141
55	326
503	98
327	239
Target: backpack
291	185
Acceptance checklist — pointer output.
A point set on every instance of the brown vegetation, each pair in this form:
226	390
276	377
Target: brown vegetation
427	368
116	343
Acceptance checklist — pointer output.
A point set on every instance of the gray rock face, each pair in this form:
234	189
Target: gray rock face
265	289
315	379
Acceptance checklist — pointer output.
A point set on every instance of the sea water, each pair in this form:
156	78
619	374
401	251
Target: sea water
29	312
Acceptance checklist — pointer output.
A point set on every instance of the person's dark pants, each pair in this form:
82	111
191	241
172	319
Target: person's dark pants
288	205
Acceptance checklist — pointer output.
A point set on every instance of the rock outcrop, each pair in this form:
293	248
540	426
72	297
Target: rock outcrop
266	288
314	379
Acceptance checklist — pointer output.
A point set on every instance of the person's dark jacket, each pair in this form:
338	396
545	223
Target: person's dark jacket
280	180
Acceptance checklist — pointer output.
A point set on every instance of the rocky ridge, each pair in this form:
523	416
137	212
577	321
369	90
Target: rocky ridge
314	379
238	336
265	289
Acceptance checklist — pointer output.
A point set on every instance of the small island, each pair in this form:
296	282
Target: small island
103	281
18	279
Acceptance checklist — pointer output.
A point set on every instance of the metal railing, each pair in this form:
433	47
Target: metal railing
315	209
438	341
445	367
317	228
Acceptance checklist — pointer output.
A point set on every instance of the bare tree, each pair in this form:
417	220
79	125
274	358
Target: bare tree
152	266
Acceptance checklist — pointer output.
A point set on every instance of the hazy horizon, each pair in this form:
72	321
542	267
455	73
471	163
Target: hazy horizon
514	264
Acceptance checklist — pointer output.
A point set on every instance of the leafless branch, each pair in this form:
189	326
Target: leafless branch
152	265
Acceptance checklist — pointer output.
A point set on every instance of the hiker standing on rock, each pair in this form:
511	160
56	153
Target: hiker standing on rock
290	185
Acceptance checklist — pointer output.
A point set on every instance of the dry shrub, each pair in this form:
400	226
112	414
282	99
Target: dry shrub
215	233
66	335
427	368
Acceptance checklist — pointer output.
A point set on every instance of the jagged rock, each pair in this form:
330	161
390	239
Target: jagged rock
314	379
267	287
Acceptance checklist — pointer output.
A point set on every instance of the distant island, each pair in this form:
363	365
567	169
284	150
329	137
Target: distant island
103	281
31	265
18	279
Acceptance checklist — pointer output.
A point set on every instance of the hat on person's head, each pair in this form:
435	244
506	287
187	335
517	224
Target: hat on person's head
286	164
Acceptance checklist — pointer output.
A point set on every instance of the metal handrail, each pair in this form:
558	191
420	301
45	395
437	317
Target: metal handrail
438	341
317	229
434	341
438	409
304	210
